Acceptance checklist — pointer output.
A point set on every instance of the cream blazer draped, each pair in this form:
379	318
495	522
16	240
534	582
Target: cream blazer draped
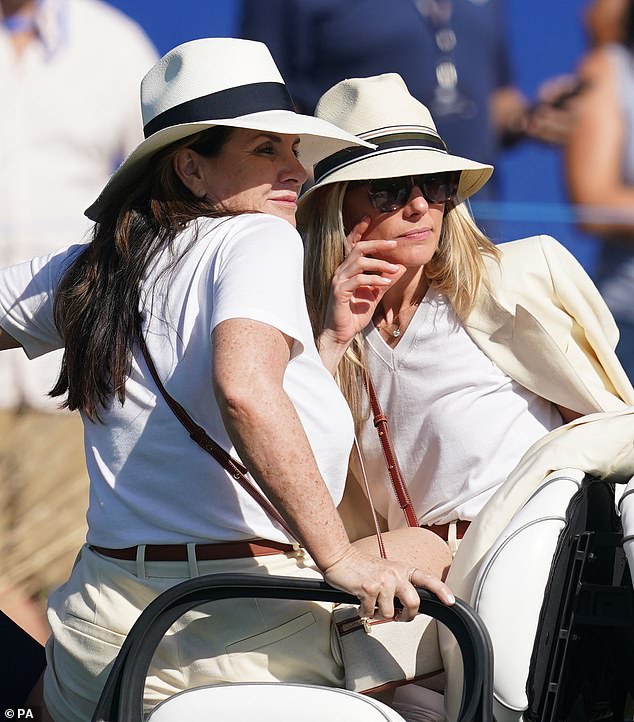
545	324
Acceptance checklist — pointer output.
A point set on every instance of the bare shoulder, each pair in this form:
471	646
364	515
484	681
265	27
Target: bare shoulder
596	64
597	71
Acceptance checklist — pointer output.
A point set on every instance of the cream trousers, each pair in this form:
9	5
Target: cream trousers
223	641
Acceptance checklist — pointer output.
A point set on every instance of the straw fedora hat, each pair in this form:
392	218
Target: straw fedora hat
219	81
381	110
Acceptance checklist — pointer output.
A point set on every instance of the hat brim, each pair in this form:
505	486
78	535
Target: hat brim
393	163
319	139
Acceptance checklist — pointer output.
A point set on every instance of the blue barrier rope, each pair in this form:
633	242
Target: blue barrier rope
548	212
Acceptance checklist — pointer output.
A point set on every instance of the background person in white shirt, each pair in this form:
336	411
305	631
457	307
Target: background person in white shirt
69	78
476	351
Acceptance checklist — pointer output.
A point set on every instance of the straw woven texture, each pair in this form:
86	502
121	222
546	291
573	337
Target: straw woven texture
43	498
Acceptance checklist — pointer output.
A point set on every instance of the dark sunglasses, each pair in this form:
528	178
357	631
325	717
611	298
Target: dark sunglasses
390	194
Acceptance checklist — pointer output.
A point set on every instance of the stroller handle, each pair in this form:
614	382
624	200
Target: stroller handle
122	697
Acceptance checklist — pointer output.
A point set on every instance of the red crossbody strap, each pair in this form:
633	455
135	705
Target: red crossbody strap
237	470
377	528
393	469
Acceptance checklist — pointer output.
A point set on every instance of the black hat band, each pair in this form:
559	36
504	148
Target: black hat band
401	141
229	103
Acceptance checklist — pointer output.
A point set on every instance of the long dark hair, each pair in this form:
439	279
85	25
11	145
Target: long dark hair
96	305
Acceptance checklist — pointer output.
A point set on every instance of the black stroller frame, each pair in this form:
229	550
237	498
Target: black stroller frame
122	696
582	666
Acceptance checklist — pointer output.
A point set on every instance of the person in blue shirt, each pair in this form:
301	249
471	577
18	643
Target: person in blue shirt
452	55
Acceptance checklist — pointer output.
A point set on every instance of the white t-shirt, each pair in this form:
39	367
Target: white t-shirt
459	424
70	114
150	483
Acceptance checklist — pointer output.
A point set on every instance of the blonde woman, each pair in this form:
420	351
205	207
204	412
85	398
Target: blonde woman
476	350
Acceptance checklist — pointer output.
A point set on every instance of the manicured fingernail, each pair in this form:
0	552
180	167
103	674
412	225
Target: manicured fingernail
393	267
451	598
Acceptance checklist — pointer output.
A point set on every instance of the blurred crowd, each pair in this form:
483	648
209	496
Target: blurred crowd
69	74
599	158
69	77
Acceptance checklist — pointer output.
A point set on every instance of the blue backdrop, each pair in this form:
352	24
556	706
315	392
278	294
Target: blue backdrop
546	37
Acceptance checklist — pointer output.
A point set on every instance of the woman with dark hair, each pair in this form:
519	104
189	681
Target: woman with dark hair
191	287
600	159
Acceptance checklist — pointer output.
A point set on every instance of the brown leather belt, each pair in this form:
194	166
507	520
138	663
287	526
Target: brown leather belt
443	529
204	552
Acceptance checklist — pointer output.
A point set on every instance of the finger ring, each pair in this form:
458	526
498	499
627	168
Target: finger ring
410	574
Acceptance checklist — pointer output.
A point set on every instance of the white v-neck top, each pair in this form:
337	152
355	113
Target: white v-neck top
459	423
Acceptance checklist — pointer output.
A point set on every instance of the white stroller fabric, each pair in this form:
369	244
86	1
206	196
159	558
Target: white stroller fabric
270	702
600	444
509	590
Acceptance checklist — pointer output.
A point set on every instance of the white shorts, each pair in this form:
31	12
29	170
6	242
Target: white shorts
225	641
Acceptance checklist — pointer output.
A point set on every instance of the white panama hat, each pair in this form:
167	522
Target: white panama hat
219	81
381	110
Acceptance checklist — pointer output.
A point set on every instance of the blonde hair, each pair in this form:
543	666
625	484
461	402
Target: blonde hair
457	270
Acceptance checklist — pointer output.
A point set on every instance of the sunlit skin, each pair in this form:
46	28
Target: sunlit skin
415	227
414	231
255	171
383	269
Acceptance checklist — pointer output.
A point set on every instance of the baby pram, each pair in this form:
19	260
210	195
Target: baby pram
122	697
555	593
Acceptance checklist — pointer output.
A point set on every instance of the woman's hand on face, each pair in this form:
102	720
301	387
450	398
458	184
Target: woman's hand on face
359	284
376	582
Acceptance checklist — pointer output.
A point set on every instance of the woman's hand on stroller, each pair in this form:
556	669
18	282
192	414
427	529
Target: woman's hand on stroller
377	582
